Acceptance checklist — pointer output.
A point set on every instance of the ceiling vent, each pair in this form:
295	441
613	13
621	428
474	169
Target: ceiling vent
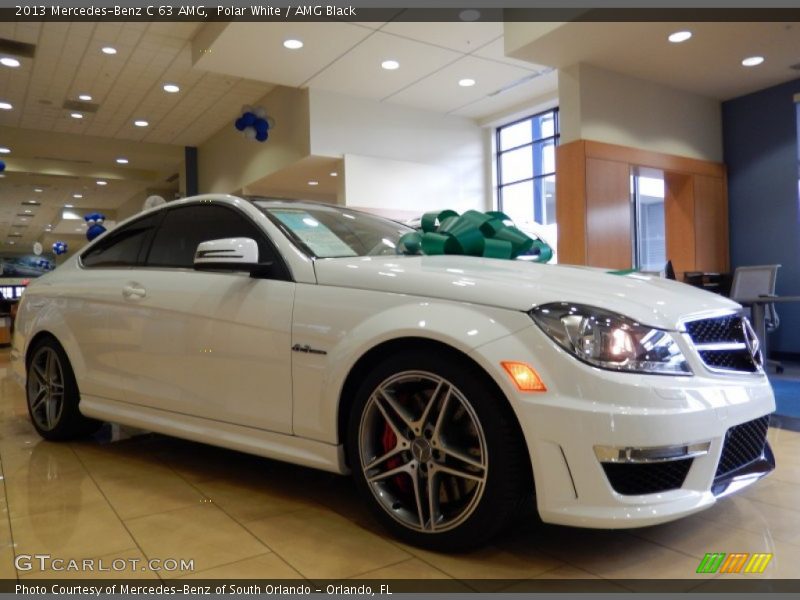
20	49
79	161
78	106
520	81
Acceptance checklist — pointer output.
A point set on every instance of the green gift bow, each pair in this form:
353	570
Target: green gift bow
474	234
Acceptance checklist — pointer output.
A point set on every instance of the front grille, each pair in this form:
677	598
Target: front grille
743	444
717	330
731	360
728	330
632	479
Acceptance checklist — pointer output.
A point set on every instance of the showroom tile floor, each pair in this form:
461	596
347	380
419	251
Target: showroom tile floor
239	516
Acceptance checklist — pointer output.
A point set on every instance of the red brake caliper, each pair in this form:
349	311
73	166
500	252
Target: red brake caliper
389	440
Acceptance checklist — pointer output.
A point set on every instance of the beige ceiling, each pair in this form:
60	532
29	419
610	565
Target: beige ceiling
126	86
346	58
293	181
709	64
62	168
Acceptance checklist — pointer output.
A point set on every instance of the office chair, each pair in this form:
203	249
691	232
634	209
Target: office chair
756	282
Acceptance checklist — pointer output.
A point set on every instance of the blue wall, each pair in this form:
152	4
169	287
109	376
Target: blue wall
760	134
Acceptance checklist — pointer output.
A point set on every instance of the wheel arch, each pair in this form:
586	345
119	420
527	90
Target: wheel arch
377	353
34	341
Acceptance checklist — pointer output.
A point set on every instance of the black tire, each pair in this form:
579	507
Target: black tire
53	396
476	510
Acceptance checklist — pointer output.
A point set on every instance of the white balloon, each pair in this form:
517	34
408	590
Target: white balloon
250	133
37	248
260	112
153	201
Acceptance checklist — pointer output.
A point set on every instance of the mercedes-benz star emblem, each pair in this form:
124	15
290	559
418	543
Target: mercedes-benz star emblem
752	343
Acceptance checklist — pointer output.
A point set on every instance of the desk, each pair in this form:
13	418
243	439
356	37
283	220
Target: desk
758	306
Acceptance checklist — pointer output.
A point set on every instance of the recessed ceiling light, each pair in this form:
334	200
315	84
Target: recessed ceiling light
753	61
122	161
313	182
85	97
38	190
77	195
28	211
5	106
101	182
469	15
293	44
69	206
7	61
679	36
11	242
76	115
4	150
109	50
141	123
466	82
171	88
390	65
334	174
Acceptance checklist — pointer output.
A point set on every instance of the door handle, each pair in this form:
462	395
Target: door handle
134	291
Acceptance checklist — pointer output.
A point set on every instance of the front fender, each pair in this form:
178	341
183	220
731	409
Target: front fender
42	314
346	324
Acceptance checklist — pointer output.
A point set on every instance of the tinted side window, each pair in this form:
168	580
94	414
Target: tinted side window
122	247
182	229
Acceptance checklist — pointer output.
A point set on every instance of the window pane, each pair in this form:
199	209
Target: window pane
183	229
516	165
121	247
650	231
544	157
518	201
544	126
515	135
545	190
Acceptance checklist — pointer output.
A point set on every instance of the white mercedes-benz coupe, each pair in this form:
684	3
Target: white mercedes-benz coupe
455	389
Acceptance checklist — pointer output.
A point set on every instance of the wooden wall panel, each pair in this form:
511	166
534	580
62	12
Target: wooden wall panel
679	221
608	214
648	158
571	203
593	207
711	225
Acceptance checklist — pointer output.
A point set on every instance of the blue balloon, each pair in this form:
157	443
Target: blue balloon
2	165
239	124
248	119
261	126
262	136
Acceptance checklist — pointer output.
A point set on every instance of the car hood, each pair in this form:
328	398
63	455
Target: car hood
521	285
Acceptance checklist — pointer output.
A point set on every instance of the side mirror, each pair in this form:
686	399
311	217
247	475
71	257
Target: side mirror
229	254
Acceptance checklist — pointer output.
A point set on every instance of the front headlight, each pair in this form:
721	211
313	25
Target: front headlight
610	341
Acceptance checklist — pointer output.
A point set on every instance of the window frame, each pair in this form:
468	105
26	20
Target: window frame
159	216
281	268
538	207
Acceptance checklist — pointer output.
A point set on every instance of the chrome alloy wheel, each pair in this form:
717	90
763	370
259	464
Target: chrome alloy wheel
423	451
46	388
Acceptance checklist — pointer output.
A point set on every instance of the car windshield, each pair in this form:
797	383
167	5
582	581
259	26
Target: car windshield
333	232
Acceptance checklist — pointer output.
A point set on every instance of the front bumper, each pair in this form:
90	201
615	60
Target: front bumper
585	408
